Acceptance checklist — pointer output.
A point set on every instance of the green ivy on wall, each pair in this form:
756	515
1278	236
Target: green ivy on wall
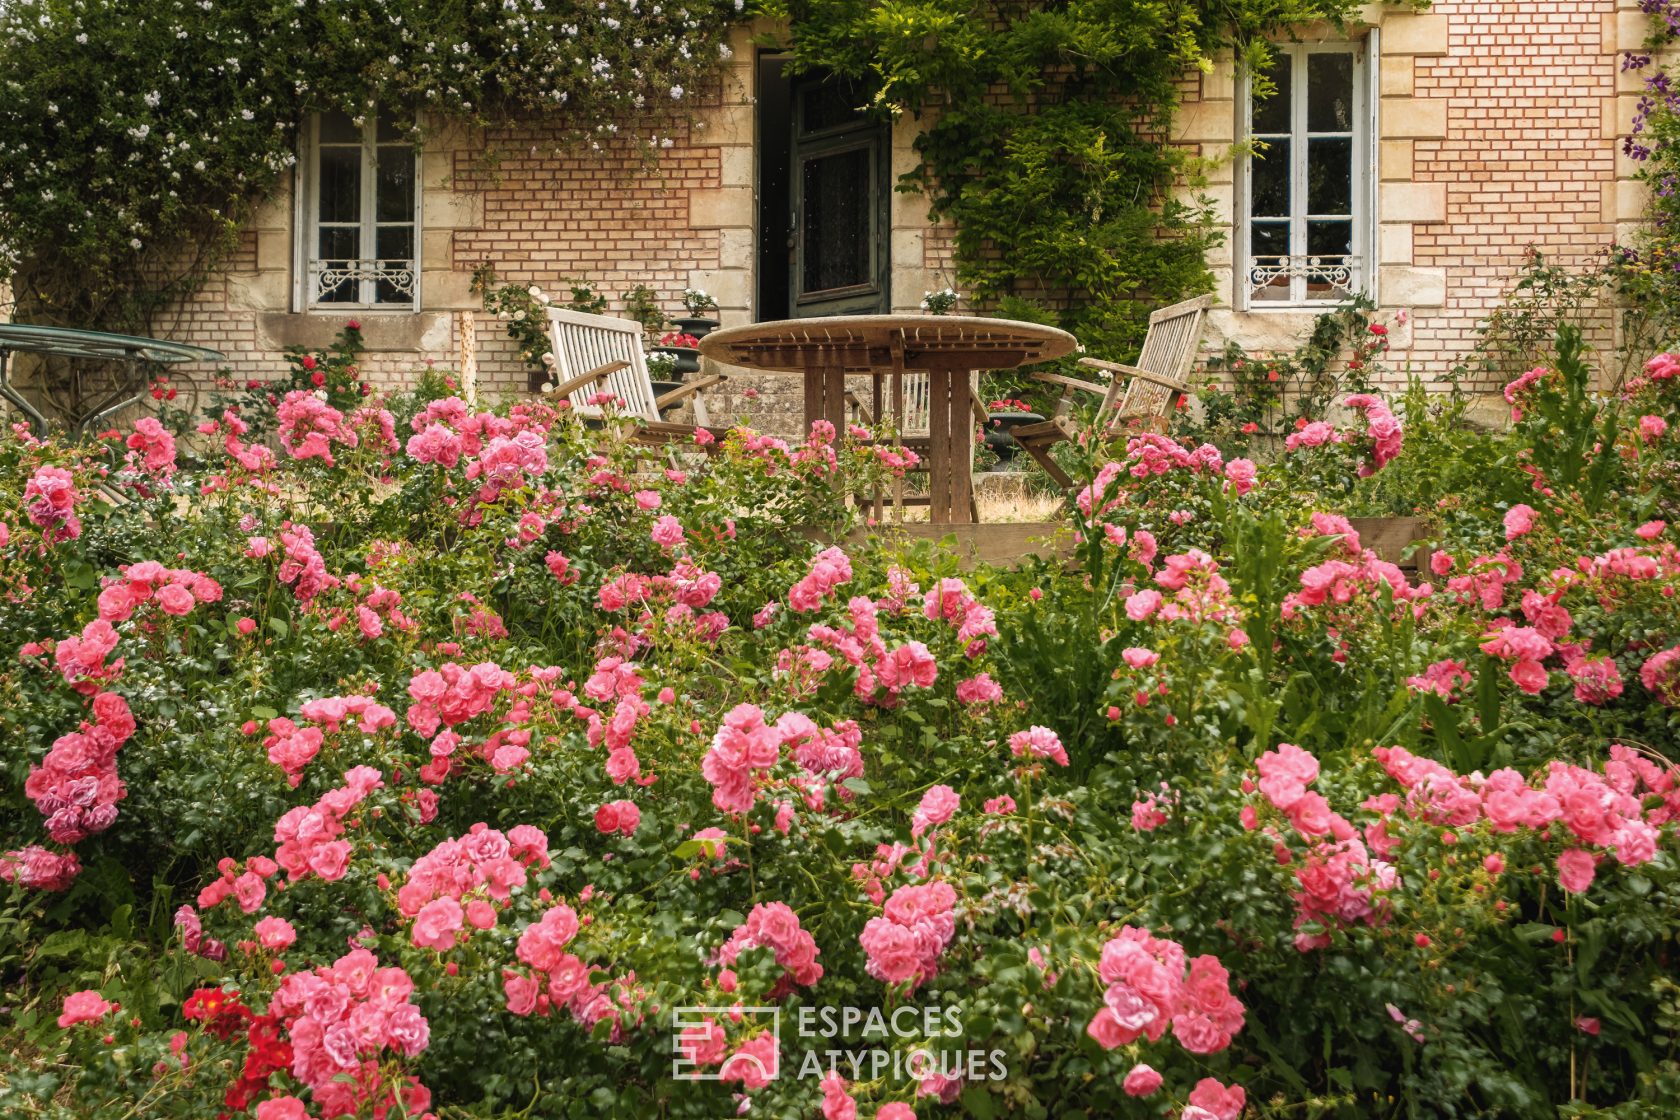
136	138
1046	136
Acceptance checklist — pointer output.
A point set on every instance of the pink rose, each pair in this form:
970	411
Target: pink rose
282	1108
1519	519
620	816
275	933
1141	1081
1139	658
175	600
1224	1102
84	1007
437	924
938	805
1575	870
1530	676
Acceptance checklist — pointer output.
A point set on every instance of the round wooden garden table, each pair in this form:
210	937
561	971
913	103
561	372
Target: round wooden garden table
947	347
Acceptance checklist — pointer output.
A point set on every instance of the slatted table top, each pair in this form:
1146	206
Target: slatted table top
869	343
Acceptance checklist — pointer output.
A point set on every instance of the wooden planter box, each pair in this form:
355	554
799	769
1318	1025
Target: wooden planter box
1391	537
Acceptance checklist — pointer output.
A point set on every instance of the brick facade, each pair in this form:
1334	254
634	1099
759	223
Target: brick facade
1525	158
1498	120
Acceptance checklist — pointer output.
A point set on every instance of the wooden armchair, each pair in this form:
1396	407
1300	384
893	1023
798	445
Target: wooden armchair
596	354
1148	392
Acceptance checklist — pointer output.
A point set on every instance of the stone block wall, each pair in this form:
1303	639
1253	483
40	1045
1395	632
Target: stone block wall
1499	127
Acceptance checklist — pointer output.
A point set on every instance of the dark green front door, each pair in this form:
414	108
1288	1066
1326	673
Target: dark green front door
839	187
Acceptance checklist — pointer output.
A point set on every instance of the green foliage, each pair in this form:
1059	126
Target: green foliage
1045	136
641	304
133	142
1254	400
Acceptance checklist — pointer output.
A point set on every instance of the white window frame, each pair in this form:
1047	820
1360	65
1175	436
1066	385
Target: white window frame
1360	274
369	269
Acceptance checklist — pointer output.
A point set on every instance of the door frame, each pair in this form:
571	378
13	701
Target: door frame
784	146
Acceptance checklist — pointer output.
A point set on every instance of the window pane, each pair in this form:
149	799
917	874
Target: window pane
339	243
341	185
395	184
337	247
388	130
1330	176
1329	239
1329	92
1272	113
1270	239
338	128
829	105
387	292
394	243
1268	242
1269	181
835	220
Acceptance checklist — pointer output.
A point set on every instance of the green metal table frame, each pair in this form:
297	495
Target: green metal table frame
67	342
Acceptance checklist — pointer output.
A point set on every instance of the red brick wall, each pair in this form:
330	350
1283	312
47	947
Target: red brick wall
606	217
1525	160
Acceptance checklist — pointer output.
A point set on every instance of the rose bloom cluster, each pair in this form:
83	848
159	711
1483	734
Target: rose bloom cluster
775	926
1383	432
309	427
76	786
49	501
292	746
151	448
174	591
485	864
1619	812
916	925
309	836
1152	987
342	1019
248	885
883	672
951	601
745	749
559	979
831	568
674	602
1339	883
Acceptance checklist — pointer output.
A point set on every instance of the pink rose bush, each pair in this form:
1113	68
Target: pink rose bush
470	761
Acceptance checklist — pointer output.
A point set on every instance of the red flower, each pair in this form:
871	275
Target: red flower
352	324
317	379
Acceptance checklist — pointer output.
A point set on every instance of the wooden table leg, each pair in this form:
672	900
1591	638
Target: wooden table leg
939	446
825	396
950	431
